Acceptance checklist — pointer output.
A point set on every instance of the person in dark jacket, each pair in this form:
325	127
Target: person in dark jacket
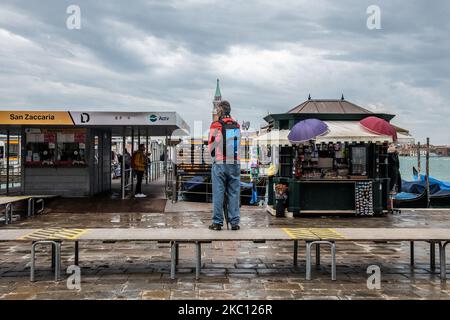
394	169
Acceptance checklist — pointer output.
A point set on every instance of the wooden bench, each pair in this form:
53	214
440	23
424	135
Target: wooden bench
311	236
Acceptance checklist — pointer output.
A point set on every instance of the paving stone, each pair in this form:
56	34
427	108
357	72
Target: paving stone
241	271
155	294
230	270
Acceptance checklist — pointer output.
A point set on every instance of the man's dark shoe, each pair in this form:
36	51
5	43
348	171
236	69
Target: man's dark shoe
215	226
235	227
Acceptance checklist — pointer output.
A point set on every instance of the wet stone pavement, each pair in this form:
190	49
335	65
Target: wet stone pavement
231	270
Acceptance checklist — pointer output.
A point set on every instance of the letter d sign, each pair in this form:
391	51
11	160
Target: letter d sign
85	117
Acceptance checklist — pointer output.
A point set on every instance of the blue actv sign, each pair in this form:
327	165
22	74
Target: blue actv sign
154	118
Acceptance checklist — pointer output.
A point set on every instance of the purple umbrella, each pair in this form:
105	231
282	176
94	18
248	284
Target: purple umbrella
307	130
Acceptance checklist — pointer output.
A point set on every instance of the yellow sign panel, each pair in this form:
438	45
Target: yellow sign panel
36	117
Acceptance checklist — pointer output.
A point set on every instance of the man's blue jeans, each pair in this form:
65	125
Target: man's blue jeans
226	180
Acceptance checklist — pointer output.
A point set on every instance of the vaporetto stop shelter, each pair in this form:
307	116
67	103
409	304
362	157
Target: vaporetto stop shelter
68	153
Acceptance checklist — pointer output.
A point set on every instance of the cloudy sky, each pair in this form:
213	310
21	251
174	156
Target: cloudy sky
269	55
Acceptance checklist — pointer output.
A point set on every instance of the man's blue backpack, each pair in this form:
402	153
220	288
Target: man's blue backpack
231	135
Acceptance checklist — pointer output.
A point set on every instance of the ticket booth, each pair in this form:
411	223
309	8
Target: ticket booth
69	153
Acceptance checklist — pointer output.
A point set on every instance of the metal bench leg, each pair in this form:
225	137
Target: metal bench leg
57	260
333	261
42	202
443	260
295	253
433	256
33	260
308	260
198	265
173	265
308	257
53	257
411	253
30	210
76	253
317	254
56	251
8	213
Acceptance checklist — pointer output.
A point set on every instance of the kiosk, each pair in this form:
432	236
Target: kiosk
341	172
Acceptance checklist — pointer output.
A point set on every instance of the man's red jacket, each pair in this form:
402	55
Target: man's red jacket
215	142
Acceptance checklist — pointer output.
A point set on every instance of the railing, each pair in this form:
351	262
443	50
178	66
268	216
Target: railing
178	192
155	170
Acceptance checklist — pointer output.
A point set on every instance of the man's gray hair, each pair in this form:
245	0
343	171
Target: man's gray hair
224	108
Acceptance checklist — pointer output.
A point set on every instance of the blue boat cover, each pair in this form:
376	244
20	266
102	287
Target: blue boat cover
406	196
442	184
441	193
246	185
193	182
419	186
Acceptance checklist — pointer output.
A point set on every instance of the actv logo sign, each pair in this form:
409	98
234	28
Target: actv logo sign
154	118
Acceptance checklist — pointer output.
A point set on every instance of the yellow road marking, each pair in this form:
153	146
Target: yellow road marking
300	233
326	233
54	234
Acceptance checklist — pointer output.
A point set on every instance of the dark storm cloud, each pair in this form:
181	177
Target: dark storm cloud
269	56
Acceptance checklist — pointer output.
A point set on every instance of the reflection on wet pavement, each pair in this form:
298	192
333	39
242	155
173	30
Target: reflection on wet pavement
231	270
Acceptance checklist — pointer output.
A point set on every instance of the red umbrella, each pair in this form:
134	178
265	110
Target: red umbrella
379	126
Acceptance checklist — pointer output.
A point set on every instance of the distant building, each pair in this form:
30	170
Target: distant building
217	99
442	151
411	150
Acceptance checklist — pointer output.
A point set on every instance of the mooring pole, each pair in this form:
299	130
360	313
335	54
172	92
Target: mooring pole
428	172
418	157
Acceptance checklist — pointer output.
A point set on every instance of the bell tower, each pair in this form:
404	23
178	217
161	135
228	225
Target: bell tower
216	101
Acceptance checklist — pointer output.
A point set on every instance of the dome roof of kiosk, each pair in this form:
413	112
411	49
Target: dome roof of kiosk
329	106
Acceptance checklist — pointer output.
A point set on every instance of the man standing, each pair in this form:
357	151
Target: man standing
139	162
224	144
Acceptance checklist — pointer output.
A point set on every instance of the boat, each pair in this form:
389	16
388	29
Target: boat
410	200
196	189
440	199
414	193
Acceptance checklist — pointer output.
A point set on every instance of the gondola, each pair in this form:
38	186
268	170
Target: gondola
196	189
440	199
410	200
414	193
